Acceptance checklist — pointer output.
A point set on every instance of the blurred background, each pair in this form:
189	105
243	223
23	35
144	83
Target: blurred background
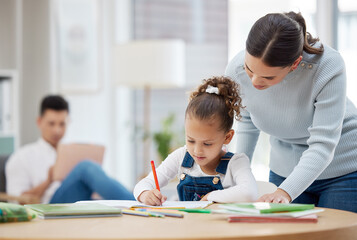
75	48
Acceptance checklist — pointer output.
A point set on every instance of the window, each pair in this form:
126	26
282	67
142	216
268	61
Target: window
346	42
203	25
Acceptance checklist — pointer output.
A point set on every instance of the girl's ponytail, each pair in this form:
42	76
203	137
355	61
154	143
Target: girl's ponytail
216	97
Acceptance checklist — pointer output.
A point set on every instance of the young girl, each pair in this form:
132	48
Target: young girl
206	171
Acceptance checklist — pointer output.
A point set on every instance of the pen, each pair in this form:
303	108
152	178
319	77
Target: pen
155	176
196	210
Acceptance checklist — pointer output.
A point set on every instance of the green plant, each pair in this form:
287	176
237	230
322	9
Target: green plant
165	137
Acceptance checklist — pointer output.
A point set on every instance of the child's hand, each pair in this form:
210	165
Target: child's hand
152	197
205	197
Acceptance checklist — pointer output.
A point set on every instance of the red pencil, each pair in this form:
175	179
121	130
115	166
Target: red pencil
155	176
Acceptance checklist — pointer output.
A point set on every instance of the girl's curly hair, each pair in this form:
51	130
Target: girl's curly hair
226	105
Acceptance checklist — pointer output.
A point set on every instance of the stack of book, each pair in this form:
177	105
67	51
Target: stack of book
270	212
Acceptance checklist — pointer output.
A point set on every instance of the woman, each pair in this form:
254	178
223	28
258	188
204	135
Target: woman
294	89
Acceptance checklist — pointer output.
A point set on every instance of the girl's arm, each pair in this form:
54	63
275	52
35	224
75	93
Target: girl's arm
243	187
167	170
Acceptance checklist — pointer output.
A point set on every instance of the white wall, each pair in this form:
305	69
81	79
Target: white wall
35	64
28	44
7	33
25	48
102	117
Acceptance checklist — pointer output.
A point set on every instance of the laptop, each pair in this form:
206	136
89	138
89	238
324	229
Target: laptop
69	155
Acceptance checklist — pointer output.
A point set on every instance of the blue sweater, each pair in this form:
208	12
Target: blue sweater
311	123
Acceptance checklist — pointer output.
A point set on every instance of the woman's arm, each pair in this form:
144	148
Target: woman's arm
246	135
325	130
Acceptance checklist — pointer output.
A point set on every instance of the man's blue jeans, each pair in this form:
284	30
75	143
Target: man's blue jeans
339	192
86	178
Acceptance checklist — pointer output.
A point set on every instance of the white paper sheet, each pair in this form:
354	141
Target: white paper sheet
167	204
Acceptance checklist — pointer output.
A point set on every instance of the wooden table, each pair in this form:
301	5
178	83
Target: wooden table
332	224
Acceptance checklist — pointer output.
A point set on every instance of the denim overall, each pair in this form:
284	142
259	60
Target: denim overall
194	188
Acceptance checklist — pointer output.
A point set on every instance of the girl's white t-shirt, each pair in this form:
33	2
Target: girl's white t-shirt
239	183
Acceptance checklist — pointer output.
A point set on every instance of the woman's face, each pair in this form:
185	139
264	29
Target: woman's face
264	76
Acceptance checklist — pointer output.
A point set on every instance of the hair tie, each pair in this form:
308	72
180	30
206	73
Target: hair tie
211	89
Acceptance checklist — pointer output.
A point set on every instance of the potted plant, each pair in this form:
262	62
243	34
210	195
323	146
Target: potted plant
164	139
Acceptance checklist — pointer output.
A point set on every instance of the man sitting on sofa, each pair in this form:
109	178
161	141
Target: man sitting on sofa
29	170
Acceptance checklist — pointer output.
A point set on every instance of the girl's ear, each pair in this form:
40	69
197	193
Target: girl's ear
229	136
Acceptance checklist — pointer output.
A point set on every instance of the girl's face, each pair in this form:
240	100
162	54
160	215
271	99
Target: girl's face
204	141
264	76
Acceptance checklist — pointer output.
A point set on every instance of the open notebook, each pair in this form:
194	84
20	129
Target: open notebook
167	204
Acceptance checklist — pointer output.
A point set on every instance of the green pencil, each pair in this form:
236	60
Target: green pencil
195	210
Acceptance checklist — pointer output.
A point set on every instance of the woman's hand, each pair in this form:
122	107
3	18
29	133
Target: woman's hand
152	197
279	196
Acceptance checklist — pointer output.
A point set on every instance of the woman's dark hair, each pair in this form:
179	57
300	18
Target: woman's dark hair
53	102
279	39
224	106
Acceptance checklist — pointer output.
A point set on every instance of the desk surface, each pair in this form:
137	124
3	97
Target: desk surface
332	224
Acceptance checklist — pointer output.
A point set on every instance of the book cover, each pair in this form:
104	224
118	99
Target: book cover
73	210
264	207
312	218
275	214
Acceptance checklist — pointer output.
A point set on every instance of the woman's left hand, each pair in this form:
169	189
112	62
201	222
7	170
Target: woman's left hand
279	196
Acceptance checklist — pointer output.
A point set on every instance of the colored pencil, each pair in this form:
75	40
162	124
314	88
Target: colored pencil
136	213
166	212
196	210
155	176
